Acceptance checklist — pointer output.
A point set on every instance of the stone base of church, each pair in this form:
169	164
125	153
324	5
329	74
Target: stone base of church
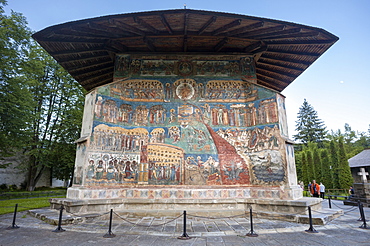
265	202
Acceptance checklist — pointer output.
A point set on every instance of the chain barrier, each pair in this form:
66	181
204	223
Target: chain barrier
215	218
136	224
85	216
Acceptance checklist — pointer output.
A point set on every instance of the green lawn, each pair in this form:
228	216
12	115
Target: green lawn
7	206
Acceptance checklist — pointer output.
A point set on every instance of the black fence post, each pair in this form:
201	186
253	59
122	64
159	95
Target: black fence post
110	234
59	228
364	225
311	229
14	226
251	233
184	235
329	199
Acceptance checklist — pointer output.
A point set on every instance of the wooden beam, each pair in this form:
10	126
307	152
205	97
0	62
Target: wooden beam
166	25
185	43
295	61
94	71
292	53
78	51
299	70
186	23
105	29
115	46
127	28
298	35
266	83
252	47
262	31
266	71
278	33
83	59
245	29
302	42
95	65
95	77
145	24
149	43
207	24
221	44
227	26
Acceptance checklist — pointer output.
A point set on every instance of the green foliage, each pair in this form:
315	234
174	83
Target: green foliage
15	100
308	126
334	163
327	175
41	105
310	165
345	176
317	163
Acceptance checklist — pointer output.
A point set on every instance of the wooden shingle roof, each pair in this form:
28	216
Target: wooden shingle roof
87	48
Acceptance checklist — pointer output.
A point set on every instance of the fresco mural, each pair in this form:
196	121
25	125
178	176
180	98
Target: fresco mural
176	122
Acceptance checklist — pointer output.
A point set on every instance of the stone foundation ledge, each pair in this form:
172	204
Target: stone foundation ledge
258	205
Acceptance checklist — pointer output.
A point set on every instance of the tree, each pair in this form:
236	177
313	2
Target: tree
308	126
327	178
310	165
15	99
55	95
333	153
345	176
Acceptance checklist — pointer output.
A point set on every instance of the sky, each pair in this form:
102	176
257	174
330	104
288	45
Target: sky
337	85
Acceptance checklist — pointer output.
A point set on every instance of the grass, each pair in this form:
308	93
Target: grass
7	206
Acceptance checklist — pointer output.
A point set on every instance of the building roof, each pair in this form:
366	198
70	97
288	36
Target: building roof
87	48
360	160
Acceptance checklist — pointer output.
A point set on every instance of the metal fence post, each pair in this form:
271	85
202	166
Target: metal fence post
251	233
184	235
110	234
59	228
311	229
14	226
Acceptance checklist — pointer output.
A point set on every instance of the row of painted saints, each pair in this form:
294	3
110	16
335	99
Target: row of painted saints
147	132
239	115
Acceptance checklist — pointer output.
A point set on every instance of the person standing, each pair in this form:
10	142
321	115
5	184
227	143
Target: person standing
315	189
351	191
322	191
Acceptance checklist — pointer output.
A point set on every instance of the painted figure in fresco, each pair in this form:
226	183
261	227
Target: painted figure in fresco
110	171
99	170
172	116
90	169
98	107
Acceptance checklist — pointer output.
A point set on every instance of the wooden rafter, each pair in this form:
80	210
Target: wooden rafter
166	25
293	53
221	44
127	28
146	25
227	26
291	61
78	51
274	64
92	66
207	24
245	29
264	31
82	59
278	74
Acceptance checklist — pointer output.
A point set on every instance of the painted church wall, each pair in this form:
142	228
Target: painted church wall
184	121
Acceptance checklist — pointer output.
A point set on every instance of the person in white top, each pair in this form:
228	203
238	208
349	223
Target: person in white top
322	191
